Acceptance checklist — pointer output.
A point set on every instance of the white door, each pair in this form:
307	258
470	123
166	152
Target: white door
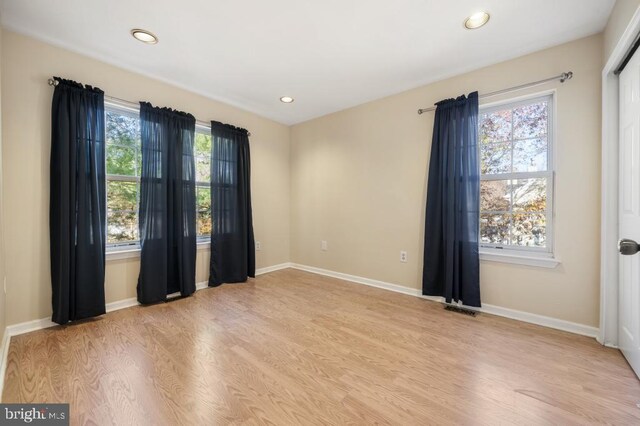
629	213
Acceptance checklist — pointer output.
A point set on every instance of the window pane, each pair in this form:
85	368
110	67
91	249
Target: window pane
203	169
203	206
496	158
122	226
123	129
123	157
495	126
494	228
203	198
203	145
515	140
122	161
495	195
204	223
529	195
530	121
530	155
122	195
528	230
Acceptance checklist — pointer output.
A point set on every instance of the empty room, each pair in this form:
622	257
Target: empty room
410	212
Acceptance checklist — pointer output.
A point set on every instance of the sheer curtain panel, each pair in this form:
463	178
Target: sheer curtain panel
451	259
167	204
232	241
77	201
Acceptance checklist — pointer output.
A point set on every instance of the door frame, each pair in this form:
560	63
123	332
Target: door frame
608	332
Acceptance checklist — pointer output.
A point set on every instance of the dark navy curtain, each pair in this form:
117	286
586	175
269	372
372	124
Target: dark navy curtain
232	241
77	202
167	211
451	261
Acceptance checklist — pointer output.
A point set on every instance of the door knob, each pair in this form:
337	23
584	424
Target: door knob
628	247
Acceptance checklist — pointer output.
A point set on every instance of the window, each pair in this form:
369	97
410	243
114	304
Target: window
123	156
202	155
124	160
516	187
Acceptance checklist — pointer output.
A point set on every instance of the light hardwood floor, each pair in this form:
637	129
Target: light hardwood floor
297	348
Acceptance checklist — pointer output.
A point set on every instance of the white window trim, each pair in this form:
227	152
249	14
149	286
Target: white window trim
122	252
528	256
205	130
125	246
133	251
518	257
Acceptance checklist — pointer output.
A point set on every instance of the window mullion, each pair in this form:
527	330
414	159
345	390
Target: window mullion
511	221
516	175
123	178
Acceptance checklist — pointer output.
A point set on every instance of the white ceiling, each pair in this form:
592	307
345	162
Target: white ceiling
328	54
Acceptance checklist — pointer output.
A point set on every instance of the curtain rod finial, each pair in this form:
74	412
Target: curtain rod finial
566	76
53	82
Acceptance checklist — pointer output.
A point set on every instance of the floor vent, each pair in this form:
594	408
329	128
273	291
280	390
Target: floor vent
460	310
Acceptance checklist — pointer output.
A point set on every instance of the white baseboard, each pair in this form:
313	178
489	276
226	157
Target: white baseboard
542	320
4	353
39	324
28	326
558	324
360	280
273	268
121	304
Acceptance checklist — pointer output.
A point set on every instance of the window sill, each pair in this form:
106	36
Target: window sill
123	253
134	251
519	259
204	245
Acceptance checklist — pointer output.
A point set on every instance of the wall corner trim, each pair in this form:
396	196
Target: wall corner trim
273	268
542	320
608	333
4	353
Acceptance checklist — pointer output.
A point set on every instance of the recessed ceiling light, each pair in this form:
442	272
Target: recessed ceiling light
286	99
476	20
144	36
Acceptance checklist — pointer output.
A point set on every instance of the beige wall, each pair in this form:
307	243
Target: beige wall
358	180
2	249
618	20
26	65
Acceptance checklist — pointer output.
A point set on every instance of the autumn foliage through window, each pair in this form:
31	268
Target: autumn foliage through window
516	175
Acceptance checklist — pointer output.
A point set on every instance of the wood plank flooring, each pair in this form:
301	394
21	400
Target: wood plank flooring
296	348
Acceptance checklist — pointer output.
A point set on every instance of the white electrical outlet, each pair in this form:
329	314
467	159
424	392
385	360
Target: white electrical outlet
258	245
324	246
403	256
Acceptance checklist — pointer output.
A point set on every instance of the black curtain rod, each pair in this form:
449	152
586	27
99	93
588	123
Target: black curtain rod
562	77
53	82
